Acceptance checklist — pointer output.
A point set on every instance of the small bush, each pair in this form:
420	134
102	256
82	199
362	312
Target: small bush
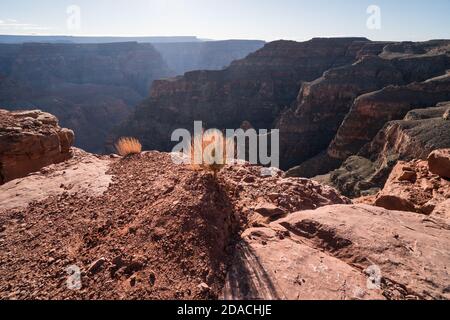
205	152
126	146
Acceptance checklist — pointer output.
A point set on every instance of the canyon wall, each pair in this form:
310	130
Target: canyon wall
94	87
332	98
335	108
90	87
415	137
255	89
328	97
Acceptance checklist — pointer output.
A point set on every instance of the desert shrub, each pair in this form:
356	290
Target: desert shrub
127	146
208	151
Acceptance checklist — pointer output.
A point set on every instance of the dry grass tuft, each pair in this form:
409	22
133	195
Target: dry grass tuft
206	152
127	146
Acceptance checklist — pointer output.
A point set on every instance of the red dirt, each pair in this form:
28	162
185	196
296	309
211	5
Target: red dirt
160	231
157	223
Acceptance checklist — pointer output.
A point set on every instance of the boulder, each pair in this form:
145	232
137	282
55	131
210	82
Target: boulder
439	162
29	141
412	187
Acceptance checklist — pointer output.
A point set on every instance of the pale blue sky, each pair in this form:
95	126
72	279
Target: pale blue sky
230	19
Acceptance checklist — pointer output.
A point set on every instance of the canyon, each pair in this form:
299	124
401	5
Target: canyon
333	99
255	89
358	210
93	87
182	57
89	87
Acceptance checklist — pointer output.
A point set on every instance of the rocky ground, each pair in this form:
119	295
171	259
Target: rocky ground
159	231
343	252
143	227
417	186
148	229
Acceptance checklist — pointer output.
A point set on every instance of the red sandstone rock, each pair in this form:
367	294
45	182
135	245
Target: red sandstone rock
439	162
159	229
30	140
370	112
343	252
421	132
412	187
271	263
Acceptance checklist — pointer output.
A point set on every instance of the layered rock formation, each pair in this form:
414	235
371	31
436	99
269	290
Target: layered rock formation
420	186
255	89
345	109
413	187
90	87
29	141
370	112
42	65
308	128
415	137
328	97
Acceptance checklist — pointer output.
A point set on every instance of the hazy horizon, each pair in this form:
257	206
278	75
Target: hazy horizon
259	20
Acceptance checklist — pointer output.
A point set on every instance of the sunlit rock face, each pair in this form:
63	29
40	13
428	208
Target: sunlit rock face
29	141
